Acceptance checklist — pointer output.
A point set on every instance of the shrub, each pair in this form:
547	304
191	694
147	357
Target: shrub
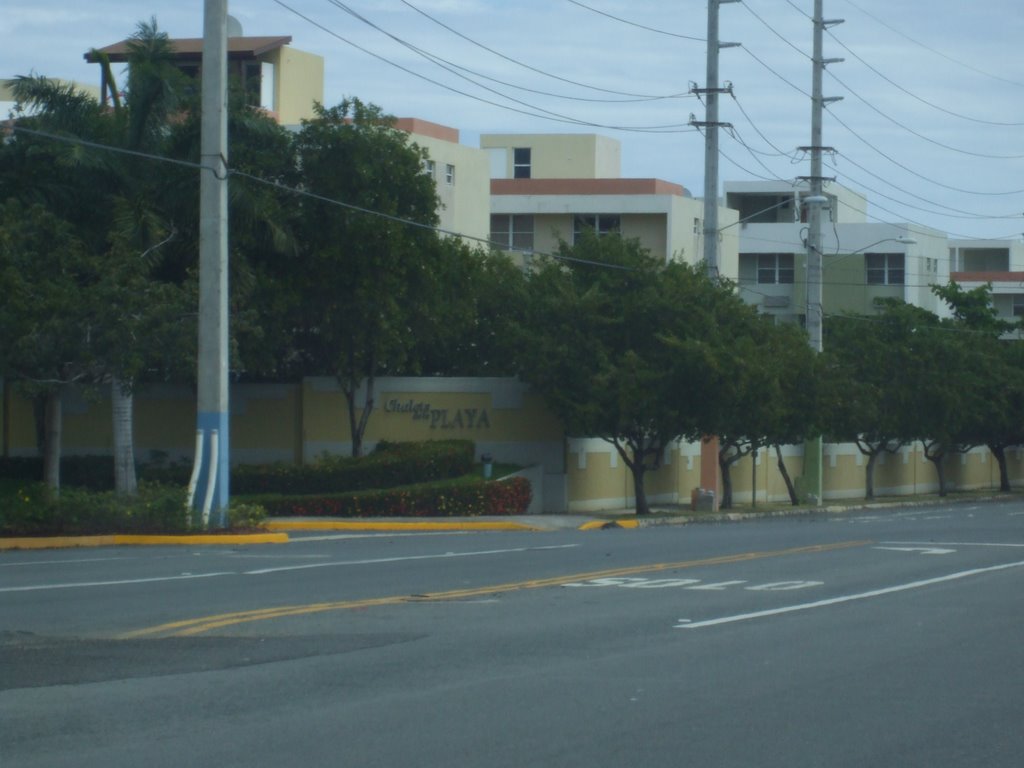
391	465
468	497
244	515
154	509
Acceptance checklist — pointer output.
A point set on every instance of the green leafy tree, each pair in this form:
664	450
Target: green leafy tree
627	348
871	382
113	200
769	398
365	288
993	385
47	313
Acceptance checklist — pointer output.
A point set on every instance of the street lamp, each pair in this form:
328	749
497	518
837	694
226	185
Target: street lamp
813	458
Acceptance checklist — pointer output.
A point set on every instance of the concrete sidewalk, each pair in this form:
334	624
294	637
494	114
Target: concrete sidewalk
277	529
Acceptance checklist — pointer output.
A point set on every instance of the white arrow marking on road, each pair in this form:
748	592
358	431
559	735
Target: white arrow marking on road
922	550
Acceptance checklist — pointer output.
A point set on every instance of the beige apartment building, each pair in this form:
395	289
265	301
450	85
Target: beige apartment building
548	188
861	260
460	174
278	78
997	263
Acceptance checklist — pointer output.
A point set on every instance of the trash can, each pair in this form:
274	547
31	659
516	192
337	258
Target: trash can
702	500
487	460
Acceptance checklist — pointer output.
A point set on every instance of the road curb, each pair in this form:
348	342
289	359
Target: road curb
116	540
363	525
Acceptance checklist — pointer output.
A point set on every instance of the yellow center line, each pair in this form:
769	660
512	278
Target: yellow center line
189	627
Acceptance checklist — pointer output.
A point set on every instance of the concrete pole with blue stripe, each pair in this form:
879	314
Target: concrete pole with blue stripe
210	475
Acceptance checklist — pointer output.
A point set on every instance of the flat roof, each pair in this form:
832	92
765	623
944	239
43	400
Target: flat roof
192	48
586	187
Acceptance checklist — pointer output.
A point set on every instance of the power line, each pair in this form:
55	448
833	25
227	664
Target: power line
912	94
301	193
499	54
635	24
551	116
896	162
918	134
450	67
937	52
957	213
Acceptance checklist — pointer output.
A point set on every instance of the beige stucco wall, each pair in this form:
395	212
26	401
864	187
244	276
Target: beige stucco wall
465	204
296	422
299	82
561	156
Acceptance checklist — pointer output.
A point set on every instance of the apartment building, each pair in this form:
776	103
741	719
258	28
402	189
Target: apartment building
862	261
999	263
547	188
276	77
460	173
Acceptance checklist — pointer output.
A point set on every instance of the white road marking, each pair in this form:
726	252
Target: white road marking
66	562
379	560
659	583
784	586
922	550
298	539
687	624
958	543
80	584
718	585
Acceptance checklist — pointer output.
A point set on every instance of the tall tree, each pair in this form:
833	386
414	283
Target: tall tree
364	285
47	313
770	397
994	368
117	209
873	400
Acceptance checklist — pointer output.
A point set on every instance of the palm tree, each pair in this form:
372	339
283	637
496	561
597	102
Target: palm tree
115	202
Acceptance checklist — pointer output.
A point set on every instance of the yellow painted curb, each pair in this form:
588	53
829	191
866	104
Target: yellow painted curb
362	525
228	538
56	542
596	524
63	542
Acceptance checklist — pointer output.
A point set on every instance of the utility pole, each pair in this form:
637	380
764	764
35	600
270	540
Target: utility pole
711	126
208	488
709	475
814	202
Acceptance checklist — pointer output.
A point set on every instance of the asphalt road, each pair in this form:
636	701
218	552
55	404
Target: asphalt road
884	639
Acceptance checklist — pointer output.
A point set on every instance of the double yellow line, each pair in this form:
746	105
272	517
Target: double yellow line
198	626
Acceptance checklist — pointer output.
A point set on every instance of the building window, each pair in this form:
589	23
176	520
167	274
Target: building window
512	232
521	163
1018	306
884	268
600	223
449	174
430	168
775	268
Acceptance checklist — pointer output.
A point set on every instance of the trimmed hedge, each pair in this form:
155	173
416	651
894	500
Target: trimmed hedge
469	497
78	512
390	465
93	472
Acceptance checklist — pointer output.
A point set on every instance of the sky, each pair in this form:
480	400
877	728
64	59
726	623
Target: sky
930	127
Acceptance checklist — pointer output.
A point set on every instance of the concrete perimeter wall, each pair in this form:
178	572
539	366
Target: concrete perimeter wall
297	422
